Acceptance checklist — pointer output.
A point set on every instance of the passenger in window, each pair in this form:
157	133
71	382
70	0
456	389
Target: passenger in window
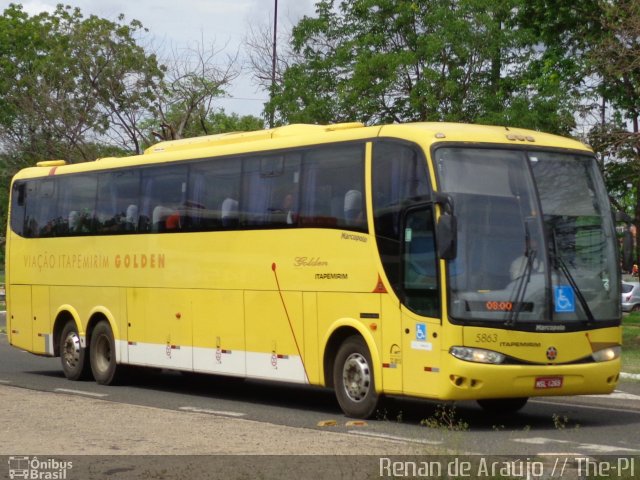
285	213
518	266
229	213
131	218
353	208
287	207
74	221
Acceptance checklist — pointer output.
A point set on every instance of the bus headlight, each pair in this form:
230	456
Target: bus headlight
477	355
606	354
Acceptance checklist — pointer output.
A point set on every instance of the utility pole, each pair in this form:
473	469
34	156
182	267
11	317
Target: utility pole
273	61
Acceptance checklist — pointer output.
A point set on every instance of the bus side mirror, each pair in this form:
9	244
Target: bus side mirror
446	236
447	228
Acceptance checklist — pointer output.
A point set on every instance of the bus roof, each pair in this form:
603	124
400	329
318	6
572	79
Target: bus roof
426	133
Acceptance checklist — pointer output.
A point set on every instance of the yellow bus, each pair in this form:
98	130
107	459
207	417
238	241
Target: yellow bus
432	260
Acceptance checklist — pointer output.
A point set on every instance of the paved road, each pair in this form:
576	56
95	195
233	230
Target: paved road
585	425
163	413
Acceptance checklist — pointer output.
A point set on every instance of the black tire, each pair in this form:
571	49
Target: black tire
503	406
103	354
72	355
353	379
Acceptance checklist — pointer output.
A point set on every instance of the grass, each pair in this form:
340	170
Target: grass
631	343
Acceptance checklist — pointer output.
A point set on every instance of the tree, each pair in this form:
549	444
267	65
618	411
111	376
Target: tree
216	121
186	98
259	46
80	88
615	61
389	61
67	81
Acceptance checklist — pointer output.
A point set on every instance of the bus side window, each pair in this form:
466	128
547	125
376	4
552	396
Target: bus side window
399	174
117	203
18	203
41	214
164	193
270	187
77	204
333	188
420	263
212	195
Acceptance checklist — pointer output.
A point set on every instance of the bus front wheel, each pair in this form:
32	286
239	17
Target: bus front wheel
503	406
72	355
353	379
102	353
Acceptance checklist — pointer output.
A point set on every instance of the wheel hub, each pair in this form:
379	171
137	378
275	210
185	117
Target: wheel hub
71	350
357	377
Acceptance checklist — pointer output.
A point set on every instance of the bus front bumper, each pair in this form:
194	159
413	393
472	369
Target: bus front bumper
474	381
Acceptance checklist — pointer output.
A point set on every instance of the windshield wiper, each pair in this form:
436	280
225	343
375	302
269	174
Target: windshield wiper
561	265
523	281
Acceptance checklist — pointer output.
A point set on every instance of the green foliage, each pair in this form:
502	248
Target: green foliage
445	418
541	64
631	343
381	61
70	87
79	88
68	80
217	121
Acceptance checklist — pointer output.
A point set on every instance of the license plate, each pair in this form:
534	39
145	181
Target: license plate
548	382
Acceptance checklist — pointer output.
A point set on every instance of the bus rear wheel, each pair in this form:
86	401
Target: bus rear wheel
72	354
503	406
102	353
353	379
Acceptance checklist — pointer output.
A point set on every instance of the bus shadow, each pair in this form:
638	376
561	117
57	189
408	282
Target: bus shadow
224	388
445	415
457	416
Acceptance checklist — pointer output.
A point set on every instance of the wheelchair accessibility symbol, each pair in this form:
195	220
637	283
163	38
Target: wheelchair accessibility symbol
564	299
421	332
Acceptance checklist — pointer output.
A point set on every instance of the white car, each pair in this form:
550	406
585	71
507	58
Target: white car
630	296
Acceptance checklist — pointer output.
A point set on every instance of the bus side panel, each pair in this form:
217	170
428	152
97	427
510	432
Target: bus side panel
312	359
218	332
346	308
86	301
136	307
19	322
160	331
41	311
275	335
392	354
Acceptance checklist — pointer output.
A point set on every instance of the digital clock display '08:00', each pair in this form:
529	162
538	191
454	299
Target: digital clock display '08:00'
499	306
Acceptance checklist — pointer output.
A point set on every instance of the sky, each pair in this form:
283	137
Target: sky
178	24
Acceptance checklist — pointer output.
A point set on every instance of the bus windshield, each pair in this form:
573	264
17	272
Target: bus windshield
535	238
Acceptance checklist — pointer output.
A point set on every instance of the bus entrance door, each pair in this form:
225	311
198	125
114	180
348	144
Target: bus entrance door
421	354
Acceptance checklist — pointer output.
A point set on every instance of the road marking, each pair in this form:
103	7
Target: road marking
592	407
617	394
591	447
80	392
394	438
632	376
212	412
5	381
